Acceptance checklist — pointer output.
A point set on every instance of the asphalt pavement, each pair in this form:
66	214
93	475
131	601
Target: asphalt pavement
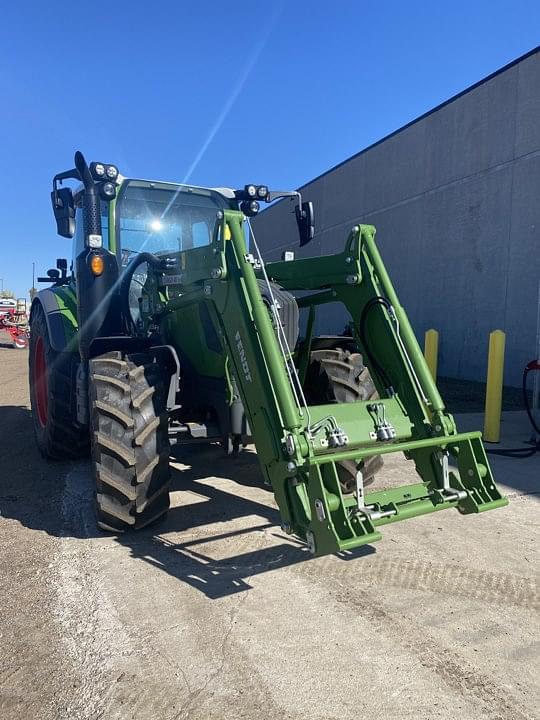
216	614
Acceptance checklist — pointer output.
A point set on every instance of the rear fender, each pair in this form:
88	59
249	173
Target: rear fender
59	305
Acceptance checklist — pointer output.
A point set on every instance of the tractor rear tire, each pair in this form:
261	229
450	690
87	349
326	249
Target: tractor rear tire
51	380
130	441
340	376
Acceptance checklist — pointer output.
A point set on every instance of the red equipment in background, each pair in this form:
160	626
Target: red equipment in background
14	321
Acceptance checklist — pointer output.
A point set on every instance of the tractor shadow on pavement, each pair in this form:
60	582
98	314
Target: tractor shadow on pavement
204	560
220	532
222	529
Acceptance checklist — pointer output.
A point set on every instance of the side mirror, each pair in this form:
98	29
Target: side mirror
61	264
305	220
53	276
64	211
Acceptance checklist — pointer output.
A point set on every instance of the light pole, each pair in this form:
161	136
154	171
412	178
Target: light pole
2	281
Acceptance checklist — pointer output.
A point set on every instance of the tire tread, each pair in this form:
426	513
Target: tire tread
130	441
340	376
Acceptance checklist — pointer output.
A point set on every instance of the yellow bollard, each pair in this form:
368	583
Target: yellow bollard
494	387
431	351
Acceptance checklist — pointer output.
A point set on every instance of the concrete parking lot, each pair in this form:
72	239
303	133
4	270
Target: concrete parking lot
216	614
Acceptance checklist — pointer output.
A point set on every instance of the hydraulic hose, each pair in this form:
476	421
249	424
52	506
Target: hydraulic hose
530	451
533	365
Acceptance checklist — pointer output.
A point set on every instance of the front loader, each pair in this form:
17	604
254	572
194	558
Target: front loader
171	328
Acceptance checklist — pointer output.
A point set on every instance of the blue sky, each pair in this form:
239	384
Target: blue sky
226	93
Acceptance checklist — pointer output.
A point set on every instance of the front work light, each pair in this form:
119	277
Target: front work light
103	171
249	195
96	265
107	191
249	207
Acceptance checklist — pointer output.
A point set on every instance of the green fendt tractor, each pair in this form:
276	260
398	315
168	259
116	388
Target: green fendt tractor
170	327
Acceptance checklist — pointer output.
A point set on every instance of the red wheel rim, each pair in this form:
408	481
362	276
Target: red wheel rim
40	382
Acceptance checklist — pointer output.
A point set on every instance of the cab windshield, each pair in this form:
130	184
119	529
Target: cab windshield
161	218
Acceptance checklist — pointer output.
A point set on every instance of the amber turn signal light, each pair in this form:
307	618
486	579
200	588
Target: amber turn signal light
97	265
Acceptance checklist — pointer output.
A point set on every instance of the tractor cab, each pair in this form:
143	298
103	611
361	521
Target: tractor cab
159	218
163	218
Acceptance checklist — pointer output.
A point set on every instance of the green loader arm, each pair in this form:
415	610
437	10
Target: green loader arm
298	446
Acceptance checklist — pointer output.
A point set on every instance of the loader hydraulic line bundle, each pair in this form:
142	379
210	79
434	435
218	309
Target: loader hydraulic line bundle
171	327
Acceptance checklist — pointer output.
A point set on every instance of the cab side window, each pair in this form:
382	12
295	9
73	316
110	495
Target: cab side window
201	234
78	238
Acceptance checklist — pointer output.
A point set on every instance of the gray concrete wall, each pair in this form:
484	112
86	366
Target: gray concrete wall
455	198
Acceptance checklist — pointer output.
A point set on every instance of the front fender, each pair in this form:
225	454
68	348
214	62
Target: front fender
59	305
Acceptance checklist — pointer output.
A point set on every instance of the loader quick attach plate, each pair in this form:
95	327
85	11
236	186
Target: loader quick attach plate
340	522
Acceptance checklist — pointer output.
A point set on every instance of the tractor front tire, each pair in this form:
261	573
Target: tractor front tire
339	376
51	380
130	440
